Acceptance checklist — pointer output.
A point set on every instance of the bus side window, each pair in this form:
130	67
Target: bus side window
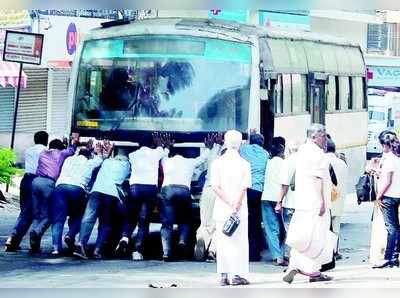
331	97
358	93
299	93
287	93
350	97
344	91
279	96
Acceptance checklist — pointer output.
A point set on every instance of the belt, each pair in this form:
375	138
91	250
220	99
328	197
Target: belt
30	175
47	177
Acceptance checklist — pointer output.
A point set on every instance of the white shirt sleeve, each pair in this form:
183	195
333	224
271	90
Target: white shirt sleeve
214	175
91	165
202	158
246	182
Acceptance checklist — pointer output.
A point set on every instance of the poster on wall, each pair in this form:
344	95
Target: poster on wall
23	47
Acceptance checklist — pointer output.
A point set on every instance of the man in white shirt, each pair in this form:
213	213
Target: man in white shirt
272	189
104	202
143	192
25	217
286	203
176	200
230	179
337	206
312	244
205	245
69	196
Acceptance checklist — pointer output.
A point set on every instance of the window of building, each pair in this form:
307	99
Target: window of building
299	93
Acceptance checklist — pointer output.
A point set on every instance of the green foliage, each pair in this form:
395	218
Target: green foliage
7	162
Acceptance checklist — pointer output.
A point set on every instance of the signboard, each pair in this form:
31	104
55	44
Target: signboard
23	47
241	16
284	20
71	39
383	76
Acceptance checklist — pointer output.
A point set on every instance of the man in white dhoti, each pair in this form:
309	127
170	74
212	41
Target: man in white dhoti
311	242
230	178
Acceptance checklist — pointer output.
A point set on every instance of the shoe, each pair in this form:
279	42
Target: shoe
55	253
224	282
396	263
122	248
239	281
167	258
183	252
11	246
321	277
290	276
97	254
34	240
137	256
280	262
80	252
212	257
200	250
70	243
384	264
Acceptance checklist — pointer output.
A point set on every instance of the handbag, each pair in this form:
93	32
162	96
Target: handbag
365	189
231	224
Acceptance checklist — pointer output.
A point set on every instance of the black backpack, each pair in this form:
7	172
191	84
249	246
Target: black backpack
365	189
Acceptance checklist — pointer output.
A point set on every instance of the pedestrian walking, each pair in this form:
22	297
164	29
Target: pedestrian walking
25	216
258	157
312	244
48	170
388	199
230	179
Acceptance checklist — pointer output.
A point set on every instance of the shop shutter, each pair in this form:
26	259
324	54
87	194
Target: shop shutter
7	108
58	101
32	109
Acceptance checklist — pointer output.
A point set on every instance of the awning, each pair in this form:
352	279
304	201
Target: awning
9	75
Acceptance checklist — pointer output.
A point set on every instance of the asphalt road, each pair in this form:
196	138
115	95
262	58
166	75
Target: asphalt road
25	270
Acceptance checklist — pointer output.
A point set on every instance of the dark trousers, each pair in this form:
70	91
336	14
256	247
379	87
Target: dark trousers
391	218
67	200
175	207
109	210
139	204
42	189
25	216
255	230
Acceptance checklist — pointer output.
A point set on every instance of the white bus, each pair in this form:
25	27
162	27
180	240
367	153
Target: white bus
190	77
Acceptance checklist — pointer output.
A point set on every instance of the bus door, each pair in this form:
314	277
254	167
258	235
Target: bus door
268	93
318	98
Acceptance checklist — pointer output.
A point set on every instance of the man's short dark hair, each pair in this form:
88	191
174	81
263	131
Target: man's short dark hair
279	141
257	139
388	139
330	146
56	144
41	137
85	152
277	149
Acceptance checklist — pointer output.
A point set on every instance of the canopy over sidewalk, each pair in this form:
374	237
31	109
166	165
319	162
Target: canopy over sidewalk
9	75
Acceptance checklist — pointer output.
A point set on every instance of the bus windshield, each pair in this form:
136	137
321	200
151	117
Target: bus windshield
163	83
